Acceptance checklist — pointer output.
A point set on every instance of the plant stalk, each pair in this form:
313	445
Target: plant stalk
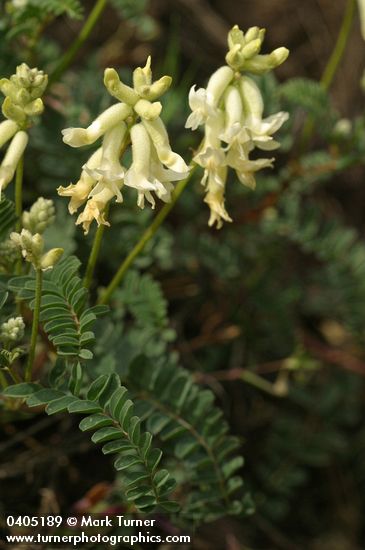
36	313
83	35
332	66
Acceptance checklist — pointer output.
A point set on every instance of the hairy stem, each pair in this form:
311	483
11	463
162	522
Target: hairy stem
33	340
332	65
145	238
84	34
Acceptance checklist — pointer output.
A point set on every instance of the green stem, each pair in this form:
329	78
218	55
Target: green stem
3	382
258	382
85	32
332	65
19	193
146	236
94	252
33	340
340	46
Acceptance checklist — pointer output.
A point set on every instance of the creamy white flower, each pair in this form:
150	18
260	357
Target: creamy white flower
146	173
201	104
218	83
110	172
80	191
160	139
215	198
95	209
77	137
12	157
246	168
261	130
8	128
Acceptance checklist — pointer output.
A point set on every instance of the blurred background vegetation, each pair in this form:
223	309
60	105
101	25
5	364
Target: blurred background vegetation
269	311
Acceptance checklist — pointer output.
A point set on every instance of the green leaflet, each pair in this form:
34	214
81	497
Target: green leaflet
64	315
110	416
183	415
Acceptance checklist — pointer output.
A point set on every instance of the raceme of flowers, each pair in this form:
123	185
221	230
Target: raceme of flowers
154	165
231	110
22	102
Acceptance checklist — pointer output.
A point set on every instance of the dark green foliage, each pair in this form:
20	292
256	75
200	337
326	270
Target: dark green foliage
24	20
184	417
65	316
7	216
110	416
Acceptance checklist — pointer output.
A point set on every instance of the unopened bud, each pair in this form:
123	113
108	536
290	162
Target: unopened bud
117	89
50	258
147	110
12	330
40	216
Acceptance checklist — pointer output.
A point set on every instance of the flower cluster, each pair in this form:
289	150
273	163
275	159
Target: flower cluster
22	102
231	110
154	165
12	330
32	249
40	216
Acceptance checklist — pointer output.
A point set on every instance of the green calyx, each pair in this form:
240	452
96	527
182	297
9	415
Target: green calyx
244	51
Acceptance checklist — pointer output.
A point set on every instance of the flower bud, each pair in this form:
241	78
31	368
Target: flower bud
155	90
12	330
260	64
236	37
254	33
147	110
50	258
142	76
251	49
40	216
13	112
34	108
117	89
31	246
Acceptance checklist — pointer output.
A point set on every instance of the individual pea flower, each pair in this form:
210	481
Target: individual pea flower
154	165
40	216
11	159
231	109
12	330
80	191
146	173
107	179
32	249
